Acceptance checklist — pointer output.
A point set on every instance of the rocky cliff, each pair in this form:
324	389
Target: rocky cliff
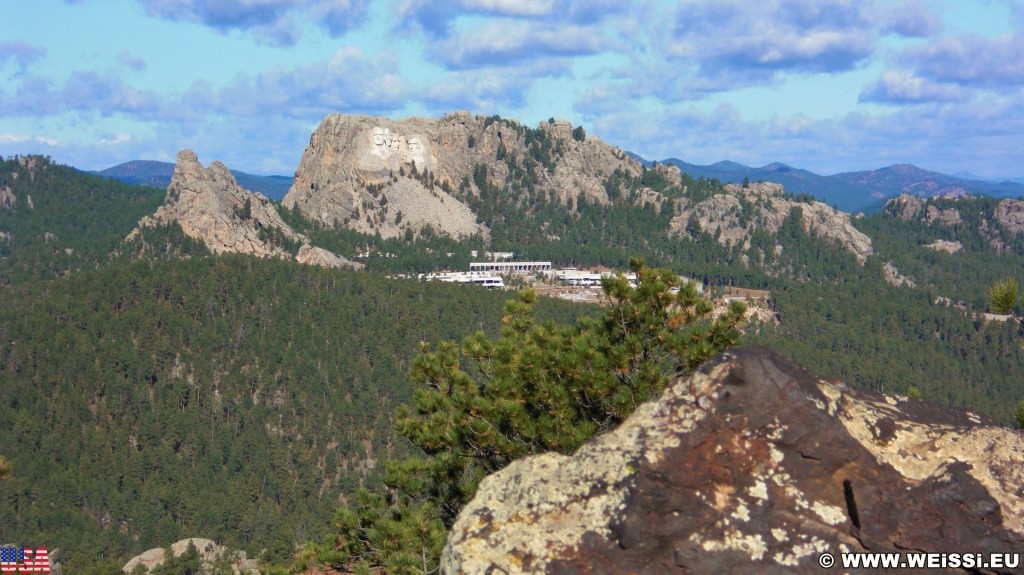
461	173
910	208
733	216
752	465
361	171
999	222
210	206
210	553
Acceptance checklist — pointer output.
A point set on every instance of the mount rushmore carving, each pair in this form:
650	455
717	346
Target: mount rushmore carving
390	150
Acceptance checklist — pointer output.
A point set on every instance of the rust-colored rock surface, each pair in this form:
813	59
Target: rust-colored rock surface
752	465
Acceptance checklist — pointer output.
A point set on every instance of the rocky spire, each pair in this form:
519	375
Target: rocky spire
210	206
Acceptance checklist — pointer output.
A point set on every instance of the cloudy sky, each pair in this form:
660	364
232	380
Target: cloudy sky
826	85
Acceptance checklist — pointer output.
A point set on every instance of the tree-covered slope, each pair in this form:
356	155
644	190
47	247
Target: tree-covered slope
55	220
229	397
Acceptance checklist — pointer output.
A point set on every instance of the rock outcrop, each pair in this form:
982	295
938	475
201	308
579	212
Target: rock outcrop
209	553
361	171
946	246
893	276
733	216
210	206
948	216
910	208
752	465
1010	214
7	199
906	207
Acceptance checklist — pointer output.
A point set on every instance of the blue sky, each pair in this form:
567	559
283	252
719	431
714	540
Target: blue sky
826	85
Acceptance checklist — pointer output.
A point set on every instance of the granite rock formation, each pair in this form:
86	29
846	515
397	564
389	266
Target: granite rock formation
1007	216
209	552
752	465
910	208
906	207
353	162
210	206
946	246
7	198
893	276
1010	213
734	215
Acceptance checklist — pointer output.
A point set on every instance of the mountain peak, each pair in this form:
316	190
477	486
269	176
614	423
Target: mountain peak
729	166
362	172
210	206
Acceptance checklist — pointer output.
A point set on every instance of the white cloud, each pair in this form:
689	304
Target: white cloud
21	139
115	139
990	63
511	7
906	87
502	43
272	21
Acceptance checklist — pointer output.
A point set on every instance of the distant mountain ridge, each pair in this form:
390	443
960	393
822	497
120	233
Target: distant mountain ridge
853	191
158	175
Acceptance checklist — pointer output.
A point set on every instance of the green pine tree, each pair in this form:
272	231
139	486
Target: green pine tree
1003	296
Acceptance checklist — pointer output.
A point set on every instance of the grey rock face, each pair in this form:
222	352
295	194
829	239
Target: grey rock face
752	465
722	215
946	246
353	162
893	276
210	206
948	216
1010	213
7	198
906	207
209	552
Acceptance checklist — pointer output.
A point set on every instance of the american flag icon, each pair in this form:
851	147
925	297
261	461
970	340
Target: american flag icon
24	560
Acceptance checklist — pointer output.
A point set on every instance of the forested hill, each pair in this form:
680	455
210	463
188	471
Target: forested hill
55	220
232	397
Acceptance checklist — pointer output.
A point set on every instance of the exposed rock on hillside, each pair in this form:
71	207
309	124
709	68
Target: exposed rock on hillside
906	207
998	222
752	465
209	552
946	246
1010	213
352	163
910	208
209	205
7	198
893	276
948	216
735	215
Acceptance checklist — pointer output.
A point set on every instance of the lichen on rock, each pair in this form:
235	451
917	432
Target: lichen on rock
751	465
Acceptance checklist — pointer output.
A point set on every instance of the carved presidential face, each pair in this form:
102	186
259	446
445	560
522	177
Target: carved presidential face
378	136
388	138
414	145
396	142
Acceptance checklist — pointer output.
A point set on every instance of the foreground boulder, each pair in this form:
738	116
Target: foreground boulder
752	465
